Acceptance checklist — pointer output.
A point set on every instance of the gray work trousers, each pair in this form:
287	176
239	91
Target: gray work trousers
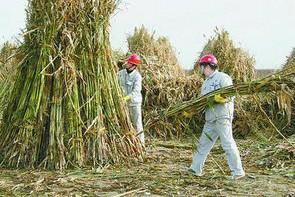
136	118
222	129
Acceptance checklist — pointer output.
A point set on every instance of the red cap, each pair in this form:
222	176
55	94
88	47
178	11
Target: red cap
210	59
134	59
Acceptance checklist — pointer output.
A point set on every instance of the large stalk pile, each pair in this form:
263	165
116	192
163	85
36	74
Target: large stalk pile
66	107
253	109
160	57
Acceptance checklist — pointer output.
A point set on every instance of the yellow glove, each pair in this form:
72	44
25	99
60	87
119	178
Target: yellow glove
127	98
187	114
219	99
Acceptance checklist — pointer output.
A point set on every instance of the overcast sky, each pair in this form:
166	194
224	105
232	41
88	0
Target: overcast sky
265	28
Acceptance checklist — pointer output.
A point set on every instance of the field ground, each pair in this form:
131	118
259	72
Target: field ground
270	171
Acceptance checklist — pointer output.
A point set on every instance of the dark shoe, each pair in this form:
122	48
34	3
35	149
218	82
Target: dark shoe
191	171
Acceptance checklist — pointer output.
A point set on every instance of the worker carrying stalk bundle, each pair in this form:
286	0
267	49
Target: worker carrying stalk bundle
131	83
218	118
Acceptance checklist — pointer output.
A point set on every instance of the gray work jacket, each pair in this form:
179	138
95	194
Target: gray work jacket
131	84
216	81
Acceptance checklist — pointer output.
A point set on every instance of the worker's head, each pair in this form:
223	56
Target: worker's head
132	62
208	64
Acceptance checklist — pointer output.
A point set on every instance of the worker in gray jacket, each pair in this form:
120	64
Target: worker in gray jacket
218	118
131	83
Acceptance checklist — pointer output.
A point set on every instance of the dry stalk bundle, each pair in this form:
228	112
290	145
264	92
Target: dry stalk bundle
66	107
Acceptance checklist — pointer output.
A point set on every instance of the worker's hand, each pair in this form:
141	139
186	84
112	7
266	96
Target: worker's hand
187	114
127	98
219	99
